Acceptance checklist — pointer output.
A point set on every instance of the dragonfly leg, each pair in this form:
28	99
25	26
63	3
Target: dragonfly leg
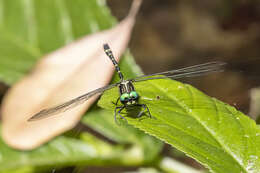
116	101
118	112
149	114
145	107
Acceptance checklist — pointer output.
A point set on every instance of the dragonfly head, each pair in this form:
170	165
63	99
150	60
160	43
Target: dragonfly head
129	98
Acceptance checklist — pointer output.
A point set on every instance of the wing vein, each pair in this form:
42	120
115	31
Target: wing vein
69	104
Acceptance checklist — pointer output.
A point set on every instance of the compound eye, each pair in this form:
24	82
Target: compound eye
134	94
124	97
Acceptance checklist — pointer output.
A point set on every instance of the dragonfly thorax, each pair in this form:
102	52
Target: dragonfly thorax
128	95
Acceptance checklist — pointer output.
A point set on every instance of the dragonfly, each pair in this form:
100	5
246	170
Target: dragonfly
128	96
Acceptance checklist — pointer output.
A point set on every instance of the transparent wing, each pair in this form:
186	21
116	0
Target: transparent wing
196	70
69	104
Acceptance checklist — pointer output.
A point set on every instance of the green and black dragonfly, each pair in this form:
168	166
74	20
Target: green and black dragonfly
128	95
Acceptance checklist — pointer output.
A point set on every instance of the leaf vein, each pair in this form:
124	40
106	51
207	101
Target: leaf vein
187	109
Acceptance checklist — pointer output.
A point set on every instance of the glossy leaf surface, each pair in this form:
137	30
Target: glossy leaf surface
212	132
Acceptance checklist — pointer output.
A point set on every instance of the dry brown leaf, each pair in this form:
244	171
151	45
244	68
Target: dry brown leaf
60	76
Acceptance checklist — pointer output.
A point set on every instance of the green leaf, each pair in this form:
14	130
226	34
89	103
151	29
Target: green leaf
30	29
64	151
102	121
27	169
212	132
